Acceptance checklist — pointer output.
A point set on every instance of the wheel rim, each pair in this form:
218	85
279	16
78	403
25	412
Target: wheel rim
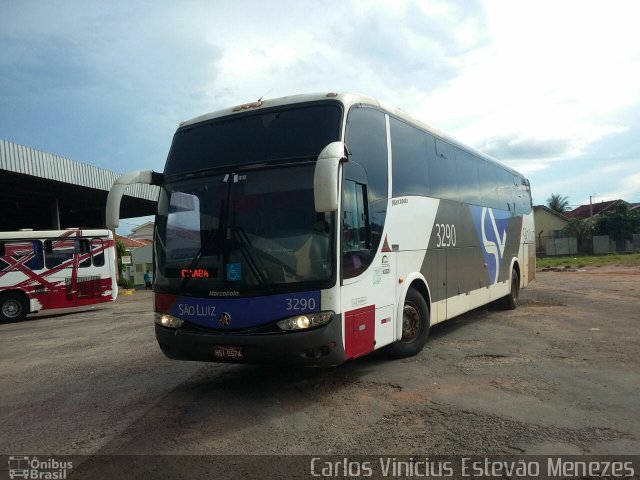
411	323
11	309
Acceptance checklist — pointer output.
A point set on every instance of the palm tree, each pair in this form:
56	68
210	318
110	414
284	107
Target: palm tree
558	203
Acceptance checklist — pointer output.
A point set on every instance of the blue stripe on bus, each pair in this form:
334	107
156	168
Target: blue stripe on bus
245	312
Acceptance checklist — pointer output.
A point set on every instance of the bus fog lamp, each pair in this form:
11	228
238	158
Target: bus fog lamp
306	321
167	320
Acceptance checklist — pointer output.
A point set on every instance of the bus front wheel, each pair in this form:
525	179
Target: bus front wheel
13	307
415	327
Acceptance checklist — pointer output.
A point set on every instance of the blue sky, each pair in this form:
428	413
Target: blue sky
550	88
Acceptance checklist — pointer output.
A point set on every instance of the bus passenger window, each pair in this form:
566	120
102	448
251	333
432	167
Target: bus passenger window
410	168
366	137
97	252
3	263
505	190
15	251
442	168
356	244
522	196
84	250
58	252
468	182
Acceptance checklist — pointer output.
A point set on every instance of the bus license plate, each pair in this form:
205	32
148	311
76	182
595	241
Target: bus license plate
228	351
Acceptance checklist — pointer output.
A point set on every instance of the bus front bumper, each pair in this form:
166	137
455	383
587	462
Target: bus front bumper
318	347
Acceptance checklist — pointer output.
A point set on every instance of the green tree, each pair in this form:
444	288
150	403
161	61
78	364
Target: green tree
558	203
582	230
619	224
121	250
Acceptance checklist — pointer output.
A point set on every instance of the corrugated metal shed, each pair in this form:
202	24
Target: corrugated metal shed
29	161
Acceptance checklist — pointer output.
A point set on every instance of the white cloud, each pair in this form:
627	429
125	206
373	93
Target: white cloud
550	75
392	50
537	84
628	187
528	166
579	179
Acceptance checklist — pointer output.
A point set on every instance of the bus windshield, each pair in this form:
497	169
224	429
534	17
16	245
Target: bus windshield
248	233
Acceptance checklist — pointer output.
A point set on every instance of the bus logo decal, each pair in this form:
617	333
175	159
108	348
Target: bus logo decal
493	242
224	320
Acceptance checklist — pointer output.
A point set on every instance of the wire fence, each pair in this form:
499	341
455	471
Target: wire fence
549	246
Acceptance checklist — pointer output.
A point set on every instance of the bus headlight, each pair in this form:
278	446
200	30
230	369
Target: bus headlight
167	320
305	321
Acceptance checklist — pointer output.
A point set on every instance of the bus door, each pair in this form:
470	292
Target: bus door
436	275
368	287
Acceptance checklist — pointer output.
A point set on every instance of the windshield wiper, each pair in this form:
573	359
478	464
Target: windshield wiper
288	269
256	266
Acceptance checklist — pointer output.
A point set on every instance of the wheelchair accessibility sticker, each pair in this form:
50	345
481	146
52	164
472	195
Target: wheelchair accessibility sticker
234	272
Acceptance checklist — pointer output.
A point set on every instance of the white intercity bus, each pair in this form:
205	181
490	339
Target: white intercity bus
41	270
318	228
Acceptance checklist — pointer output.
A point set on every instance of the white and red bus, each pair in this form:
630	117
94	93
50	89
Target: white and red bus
41	270
317	228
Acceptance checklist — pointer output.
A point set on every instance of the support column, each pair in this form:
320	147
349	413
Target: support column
55	214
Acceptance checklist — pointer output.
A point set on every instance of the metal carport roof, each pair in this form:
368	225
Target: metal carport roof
42	190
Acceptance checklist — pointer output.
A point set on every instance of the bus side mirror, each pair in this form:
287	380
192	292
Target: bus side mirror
147	177
325	177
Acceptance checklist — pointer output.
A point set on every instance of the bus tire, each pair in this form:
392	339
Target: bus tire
415	327
510	302
13	307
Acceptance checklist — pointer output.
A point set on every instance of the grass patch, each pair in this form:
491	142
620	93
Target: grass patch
589	261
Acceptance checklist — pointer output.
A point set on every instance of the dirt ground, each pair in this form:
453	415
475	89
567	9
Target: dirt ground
559	375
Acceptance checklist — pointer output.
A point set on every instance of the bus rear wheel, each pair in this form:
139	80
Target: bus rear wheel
510	302
415	327
13	307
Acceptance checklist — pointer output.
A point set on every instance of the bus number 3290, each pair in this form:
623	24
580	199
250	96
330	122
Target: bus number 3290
297	304
445	235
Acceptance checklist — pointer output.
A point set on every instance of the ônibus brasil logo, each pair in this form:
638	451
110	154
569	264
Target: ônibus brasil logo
36	469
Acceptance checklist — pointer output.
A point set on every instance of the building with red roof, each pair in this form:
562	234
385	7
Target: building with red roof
588	211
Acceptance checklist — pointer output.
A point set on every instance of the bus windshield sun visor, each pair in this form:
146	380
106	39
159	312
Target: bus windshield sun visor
254	138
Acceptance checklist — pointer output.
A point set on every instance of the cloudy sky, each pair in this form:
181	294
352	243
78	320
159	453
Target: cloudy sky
551	88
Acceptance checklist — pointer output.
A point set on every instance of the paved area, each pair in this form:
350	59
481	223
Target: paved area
558	375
